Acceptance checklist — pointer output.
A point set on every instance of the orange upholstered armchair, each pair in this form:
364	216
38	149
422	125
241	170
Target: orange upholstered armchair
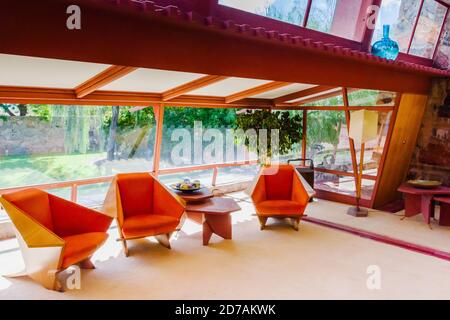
144	207
280	192
54	233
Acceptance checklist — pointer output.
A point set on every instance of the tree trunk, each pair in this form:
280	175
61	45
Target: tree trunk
111	147
23	109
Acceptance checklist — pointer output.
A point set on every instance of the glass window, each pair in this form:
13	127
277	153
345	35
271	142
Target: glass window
191	134
442	58
339	18
326	102
401	16
428	29
321	15
374	148
371	98
236	174
327	140
53	143
334	183
343	184
291	11
92	195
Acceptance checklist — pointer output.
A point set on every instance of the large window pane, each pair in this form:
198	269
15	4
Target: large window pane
442	58
291	11
343	184
338	17
428	29
190	133
371	98
236	174
374	149
401	16
327	140
53	143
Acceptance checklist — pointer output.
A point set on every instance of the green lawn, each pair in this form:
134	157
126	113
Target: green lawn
26	170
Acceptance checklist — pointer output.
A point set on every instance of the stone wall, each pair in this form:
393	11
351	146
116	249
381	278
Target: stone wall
431	159
30	135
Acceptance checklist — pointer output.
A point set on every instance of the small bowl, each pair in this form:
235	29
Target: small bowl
424	184
174	187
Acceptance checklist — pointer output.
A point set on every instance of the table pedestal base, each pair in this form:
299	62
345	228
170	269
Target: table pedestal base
212	223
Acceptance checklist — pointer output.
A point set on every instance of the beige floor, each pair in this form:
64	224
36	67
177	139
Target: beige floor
277	263
412	229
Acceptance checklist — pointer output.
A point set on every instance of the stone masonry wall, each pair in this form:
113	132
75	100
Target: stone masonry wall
431	159
30	135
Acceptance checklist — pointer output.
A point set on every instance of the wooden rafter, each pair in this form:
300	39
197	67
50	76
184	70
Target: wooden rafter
191	86
318	97
102	79
255	91
302	94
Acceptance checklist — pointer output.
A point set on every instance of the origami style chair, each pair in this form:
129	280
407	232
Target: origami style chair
143	207
54	233
280	192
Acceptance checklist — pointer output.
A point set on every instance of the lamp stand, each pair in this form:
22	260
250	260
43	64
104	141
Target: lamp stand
358	211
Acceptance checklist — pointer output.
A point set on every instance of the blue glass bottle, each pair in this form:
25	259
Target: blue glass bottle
386	47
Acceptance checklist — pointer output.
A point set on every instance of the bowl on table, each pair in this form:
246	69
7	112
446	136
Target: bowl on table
424	184
186	186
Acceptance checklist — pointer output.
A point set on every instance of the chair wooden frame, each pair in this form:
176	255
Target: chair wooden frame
113	206
257	192
41	248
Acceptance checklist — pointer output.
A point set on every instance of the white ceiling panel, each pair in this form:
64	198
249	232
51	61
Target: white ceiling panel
47	73
151	80
228	87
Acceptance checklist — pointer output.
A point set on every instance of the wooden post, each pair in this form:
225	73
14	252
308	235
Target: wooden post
304	134
360	174
159	116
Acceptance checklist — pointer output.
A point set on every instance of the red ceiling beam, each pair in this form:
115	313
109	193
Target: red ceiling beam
255	91
102	79
173	43
191	86
302	94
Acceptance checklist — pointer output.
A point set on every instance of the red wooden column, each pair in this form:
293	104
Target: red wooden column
159	116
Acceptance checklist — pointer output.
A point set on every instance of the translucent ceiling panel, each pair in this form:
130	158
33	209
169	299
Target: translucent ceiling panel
291	11
428	29
401	16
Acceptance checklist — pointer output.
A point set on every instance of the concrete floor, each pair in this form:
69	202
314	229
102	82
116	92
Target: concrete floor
277	263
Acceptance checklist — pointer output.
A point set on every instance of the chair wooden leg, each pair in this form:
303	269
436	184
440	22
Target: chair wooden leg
262	222
164	239
295	223
125	247
87	264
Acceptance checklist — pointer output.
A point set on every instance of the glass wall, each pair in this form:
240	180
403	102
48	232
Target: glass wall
327	140
428	29
54	143
442	58
401	15
199	136
337	17
371	98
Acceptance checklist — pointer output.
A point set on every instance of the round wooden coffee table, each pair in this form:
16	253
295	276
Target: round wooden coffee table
214	214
